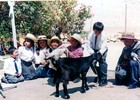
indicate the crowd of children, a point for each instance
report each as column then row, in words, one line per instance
column 27, row 62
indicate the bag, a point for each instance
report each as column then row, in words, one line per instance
column 120, row 72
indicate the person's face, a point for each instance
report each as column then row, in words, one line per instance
column 97, row 32
column 42, row 43
column 128, row 42
column 14, row 54
column 54, row 44
column 27, row 43
column 74, row 42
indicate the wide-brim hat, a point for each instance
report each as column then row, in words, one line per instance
column 77, row 37
column 42, row 37
column 128, row 35
column 54, row 38
column 31, row 37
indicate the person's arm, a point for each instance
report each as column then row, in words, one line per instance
column 103, row 44
column 8, row 67
column 90, row 41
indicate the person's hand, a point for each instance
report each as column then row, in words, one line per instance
column 43, row 62
column 125, row 63
column 17, row 74
column 98, row 56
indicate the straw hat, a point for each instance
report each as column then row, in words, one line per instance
column 54, row 38
column 128, row 35
column 31, row 37
column 77, row 37
column 42, row 37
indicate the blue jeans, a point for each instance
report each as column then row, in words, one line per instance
column 42, row 72
column 12, row 79
column 134, row 72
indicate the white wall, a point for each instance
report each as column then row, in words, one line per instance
column 112, row 14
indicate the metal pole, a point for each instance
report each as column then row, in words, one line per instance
column 14, row 31
column 11, row 14
column 125, row 18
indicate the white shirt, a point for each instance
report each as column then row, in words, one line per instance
column 41, row 56
column 101, row 43
column 9, row 66
column 26, row 54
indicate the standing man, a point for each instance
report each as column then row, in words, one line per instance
column 98, row 42
column 129, row 61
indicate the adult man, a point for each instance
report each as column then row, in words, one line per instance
column 98, row 42
column 129, row 61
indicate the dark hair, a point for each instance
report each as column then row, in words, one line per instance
column 98, row 26
column 11, row 50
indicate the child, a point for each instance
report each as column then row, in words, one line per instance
column 40, row 54
column 41, row 51
column 12, row 68
column 54, row 43
column 75, row 49
column 26, row 54
column 45, row 70
column 98, row 42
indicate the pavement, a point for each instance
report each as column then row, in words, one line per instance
column 43, row 89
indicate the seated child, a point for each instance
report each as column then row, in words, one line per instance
column 45, row 70
column 12, row 68
column 75, row 48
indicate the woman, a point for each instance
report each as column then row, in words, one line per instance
column 26, row 54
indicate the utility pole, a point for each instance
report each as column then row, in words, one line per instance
column 125, row 18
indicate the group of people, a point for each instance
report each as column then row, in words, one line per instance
column 27, row 62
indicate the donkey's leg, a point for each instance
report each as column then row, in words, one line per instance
column 57, row 90
column 66, row 96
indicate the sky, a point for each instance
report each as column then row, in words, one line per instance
column 113, row 14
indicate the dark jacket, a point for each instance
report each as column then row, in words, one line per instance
column 135, row 48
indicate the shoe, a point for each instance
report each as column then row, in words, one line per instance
column 104, row 83
column 132, row 86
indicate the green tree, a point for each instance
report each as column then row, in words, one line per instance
column 67, row 17
column 5, row 27
column 42, row 17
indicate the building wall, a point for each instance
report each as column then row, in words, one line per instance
column 112, row 13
